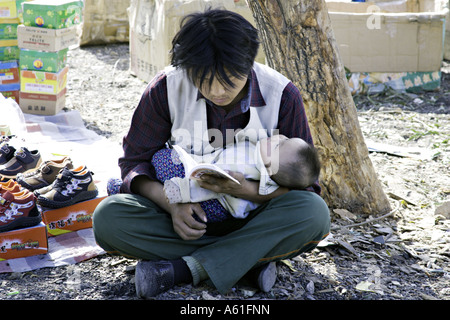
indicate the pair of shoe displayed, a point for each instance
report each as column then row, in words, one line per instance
column 57, row 184
column 15, row 161
column 69, row 187
column 17, row 207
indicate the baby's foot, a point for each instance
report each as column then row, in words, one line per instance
column 172, row 191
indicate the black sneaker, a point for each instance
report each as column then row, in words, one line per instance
column 6, row 153
column 23, row 161
column 70, row 187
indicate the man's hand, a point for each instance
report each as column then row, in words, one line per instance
column 224, row 185
column 247, row 189
column 184, row 223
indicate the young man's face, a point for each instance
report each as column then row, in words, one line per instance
column 222, row 95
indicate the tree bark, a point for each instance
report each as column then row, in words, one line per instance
column 298, row 41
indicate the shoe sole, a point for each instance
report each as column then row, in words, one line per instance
column 267, row 277
column 24, row 222
column 83, row 196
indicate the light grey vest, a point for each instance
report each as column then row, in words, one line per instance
column 188, row 115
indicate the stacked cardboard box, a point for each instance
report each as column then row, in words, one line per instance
column 11, row 15
column 9, row 52
column 49, row 29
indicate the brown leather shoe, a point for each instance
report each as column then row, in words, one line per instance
column 45, row 175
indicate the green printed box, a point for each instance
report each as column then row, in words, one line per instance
column 9, row 53
column 52, row 14
column 43, row 60
column 8, row 28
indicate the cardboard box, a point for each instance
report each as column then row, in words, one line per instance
column 378, row 37
column 42, row 104
column 43, row 82
column 9, row 72
column 23, row 242
column 52, row 14
column 71, row 218
column 13, row 94
column 35, row 38
column 8, row 9
column 8, row 28
column 105, row 21
column 153, row 24
column 43, row 60
column 9, row 53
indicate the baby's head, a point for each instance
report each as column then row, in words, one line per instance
column 291, row 163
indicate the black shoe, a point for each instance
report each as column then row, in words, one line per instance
column 22, row 162
column 6, row 153
column 70, row 187
column 153, row 278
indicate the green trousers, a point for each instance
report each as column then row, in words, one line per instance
column 133, row 226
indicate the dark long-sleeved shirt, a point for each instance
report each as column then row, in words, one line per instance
column 150, row 127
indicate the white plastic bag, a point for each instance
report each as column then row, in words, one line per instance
column 11, row 116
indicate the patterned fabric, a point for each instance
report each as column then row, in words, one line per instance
column 166, row 169
column 113, row 186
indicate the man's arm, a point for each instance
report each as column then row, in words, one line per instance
column 149, row 131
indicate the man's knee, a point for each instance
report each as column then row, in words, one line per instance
column 103, row 219
column 310, row 208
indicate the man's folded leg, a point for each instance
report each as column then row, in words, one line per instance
column 133, row 226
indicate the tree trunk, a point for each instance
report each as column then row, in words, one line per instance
column 298, row 41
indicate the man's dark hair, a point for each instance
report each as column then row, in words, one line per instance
column 215, row 43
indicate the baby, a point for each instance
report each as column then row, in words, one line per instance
column 275, row 161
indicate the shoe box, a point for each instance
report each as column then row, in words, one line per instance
column 43, row 60
column 43, row 82
column 72, row 218
column 9, row 72
column 52, row 14
column 23, row 242
column 42, row 104
column 36, row 38
column 42, row 93
column 8, row 8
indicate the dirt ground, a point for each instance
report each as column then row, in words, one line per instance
column 403, row 256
